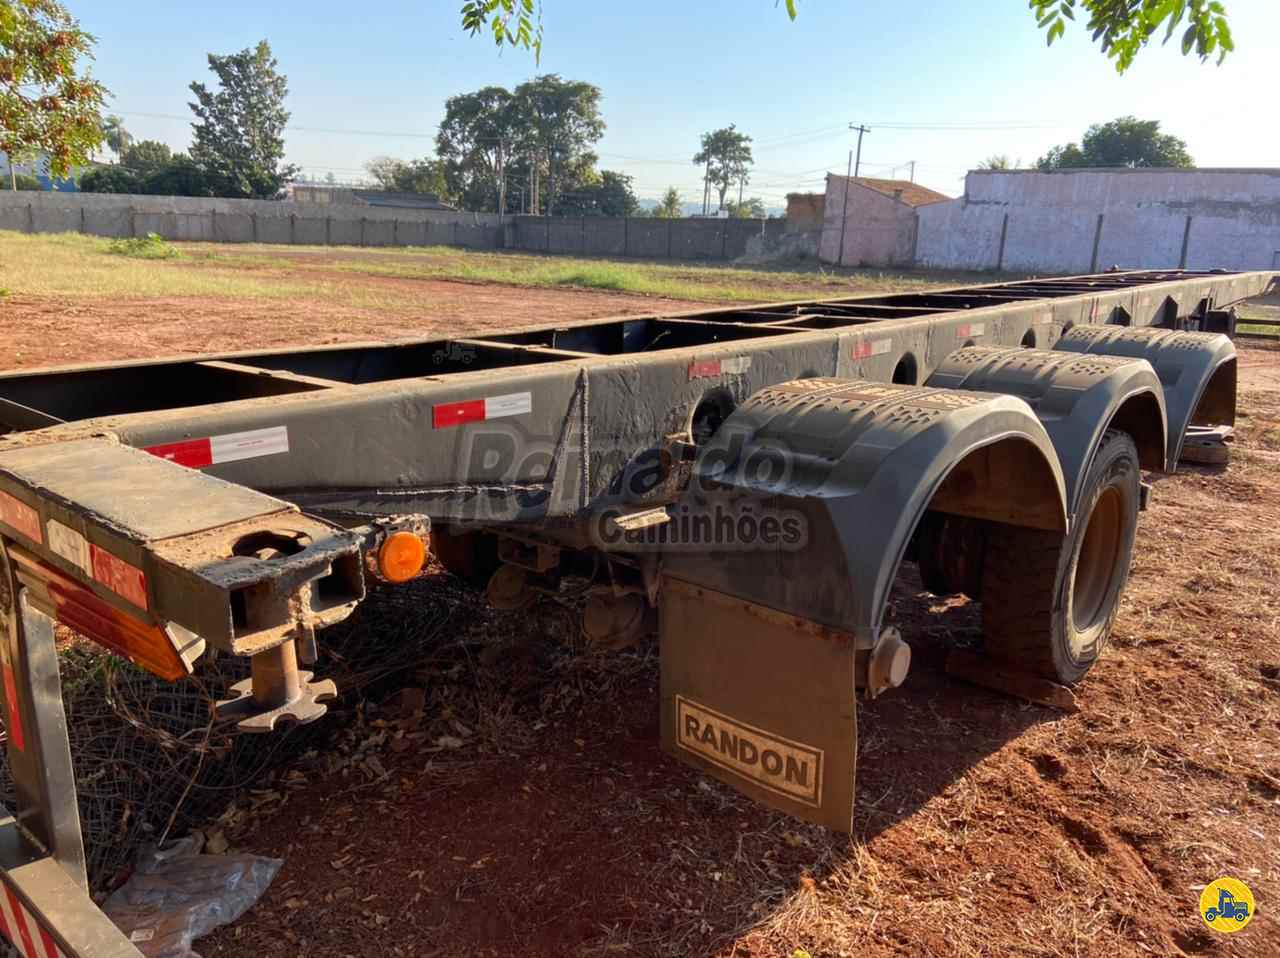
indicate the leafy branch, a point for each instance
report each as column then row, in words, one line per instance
column 517, row 23
column 1123, row 27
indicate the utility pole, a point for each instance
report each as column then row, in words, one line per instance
column 854, row 166
column 913, row 171
column 844, row 215
column 861, row 130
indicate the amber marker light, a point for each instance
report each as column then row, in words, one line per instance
column 401, row 557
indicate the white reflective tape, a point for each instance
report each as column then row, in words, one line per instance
column 516, row 404
column 69, row 544
column 735, row 365
column 249, row 445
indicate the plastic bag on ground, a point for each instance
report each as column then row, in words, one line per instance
column 178, row 895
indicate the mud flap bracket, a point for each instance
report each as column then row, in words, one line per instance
column 760, row 700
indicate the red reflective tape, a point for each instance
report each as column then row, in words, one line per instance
column 456, row 413
column 14, row 725
column 20, row 917
column 18, row 515
column 706, row 369
column 232, row 447
column 46, row 939
column 192, row 453
column 4, row 926
column 871, row 347
column 123, row 578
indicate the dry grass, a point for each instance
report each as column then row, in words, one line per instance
column 69, row 264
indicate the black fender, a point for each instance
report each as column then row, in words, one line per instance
column 856, row 464
column 1197, row 371
column 1077, row 398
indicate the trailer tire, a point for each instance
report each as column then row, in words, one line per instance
column 1049, row 601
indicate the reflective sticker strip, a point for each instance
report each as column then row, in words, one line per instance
column 18, row 515
column 711, row 368
column 69, row 544
column 478, row 410
column 28, row 936
column 122, row 578
column 868, row 348
column 14, row 723
column 970, row 330
column 232, row 447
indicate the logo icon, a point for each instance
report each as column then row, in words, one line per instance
column 1226, row 905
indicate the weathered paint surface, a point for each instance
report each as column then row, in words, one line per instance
column 878, row 229
column 1150, row 219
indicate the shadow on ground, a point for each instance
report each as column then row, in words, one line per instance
column 528, row 809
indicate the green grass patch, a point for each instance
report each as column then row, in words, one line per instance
column 151, row 246
column 705, row 281
column 1253, row 329
column 70, row 264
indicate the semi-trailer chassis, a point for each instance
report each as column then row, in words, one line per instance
column 744, row 480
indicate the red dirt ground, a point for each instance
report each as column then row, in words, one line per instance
column 985, row 826
column 527, row 810
column 40, row 331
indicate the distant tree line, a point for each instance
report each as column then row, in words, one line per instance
column 531, row 150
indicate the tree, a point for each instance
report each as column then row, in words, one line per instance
column 726, row 155
column 426, row 175
column 110, row 179
column 607, row 194
column 997, row 161
column 48, row 101
column 1123, row 26
column 1126, row 141
column 239, row 139
column 559, row 120
column 115, row 135
column 476, row 140
column 671, row 206
column 183, row 176
column 146, row 157
column 751, row 208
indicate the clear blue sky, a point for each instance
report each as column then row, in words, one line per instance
column 371, row 79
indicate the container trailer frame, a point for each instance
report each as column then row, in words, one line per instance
column 745, row 481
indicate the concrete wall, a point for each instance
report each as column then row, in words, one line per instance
column 654, row 238
column 244, row 221
column 879, row 230
column 1075, row 221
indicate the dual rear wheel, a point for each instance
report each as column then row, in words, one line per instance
column 1049, row 601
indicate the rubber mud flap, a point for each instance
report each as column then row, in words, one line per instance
column 761, row 701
